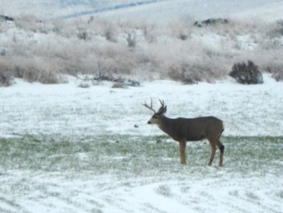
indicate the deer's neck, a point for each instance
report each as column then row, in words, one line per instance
column 171, row 128
column 166, row 125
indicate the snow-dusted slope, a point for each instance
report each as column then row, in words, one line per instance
column 149, row 10
column 174, row 10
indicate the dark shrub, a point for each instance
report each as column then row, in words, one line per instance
column 211, row 21
column 6, row 76
column 246, row 73
column 6, row 79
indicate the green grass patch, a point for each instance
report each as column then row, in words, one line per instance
column 128, row 155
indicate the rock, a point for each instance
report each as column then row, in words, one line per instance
column 211, row 21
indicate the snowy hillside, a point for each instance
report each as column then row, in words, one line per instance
column 142, row 48
column 150, row 10
column 65, row 148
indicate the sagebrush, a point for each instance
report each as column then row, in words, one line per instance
column 43, row 50
column 246, row 73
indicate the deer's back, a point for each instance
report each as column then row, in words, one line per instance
column 194, row 129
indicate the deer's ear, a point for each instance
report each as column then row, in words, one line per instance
column 165, row 109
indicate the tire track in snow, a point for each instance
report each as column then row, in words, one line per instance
column 71, row 199
column 193, row 196
column 251, row 201
column 194, row 200
column 8, row 205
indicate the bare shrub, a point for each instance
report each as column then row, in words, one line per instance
column 132, row 40
column 246, row 73
column 102, row 27
column 18, row 48
column 271, row 61
column 105, row 67
column 83, row 35
column 180, row 73
column 193, row 72
column 37, row 70
column 181, row 29
column 276, row 70
column 109, row 35
column 75, row 28
column 278, row 74
column 150, row 32
column 84, row 31
column 109, row 30
column 240, row 26
column 72, row 56
column 253, row 27
column 111, row 48
column 273, row 30
column 115, row 59
column 59, row 27
column 6, row 77
column 29, row 23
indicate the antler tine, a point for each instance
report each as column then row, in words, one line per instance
column 149, row 107
column 162, row 103
column 162, row 109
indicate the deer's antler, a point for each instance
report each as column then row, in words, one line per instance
column 149, row 107
column 162, row 103
column 162, row 109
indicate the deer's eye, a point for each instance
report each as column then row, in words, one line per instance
column 155, row 116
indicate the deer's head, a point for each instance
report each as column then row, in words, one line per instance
column 157, row 116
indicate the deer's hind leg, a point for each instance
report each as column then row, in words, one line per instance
column 213, row 149
column 221, row 148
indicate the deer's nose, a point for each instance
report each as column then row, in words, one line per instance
column 149, row 122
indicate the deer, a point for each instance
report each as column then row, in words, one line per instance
column 189, row 129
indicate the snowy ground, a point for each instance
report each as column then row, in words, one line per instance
column 58, row 149
column 246, row 110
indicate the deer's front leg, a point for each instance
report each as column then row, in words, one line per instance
column 182, row 145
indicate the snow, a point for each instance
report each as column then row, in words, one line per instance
column 203, row 195
column 35, row 108
column 174, row 10
column 68, row 111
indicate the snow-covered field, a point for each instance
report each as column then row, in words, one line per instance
column 67, row 109
column 68, row 149
column 59, row 149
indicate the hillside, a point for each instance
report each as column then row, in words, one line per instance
column 73, row 142
column 150, row 10
column 163, row 46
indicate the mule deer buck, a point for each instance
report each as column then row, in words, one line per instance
column 189, row 129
